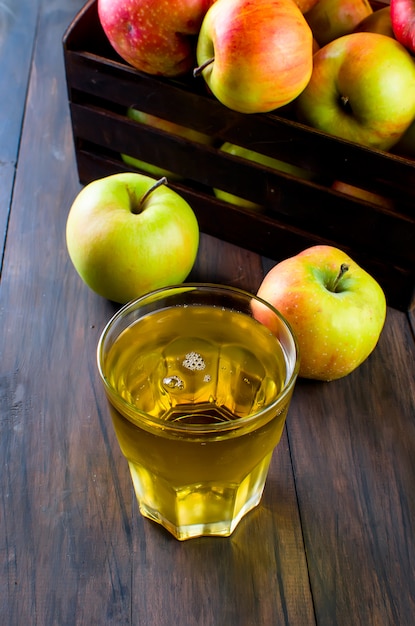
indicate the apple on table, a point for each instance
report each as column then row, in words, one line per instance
column 154, row 36
column 169, row 127
column 255, row 56
column 336, row 309
column 362, row 89
column 128, row 234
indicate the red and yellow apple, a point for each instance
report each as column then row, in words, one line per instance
column 255, row 56
column 336, row 309
column 331, row 19
column 127, row 234
column 403, row 22
column 169, row 127
column 362, row 89
column 154, row 36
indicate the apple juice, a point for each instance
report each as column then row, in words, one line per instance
column 187, row 380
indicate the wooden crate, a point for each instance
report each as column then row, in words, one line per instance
column 297, row 213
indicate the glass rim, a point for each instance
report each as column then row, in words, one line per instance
column 189, row 428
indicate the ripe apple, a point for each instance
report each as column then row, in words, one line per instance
column 362, row 89
column 262, row 159
column 305, row 5
column 154, row 36
column 330, row 19
column 169, row 127
column 403, row 22
column 128, row 234
column 363, row 194
column 255, row 55
column 336, row 309
column 377, row 22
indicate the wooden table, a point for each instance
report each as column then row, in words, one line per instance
column 333, row 541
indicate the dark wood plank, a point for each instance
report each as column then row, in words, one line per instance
column 7, row 171
column 352, row 444
column 411, row 316
column 17, row 33
column 59, row 525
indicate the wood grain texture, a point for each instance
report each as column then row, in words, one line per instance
column 333, row 539
column 17, row 35
column 352, row 444
column 411, row 317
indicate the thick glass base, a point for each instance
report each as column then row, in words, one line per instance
column 208, row 509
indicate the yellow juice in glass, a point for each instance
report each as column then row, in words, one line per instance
column 193, row 391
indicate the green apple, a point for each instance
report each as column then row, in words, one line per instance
column 331, row 19
column 377, row 22
column 255, row 56
column 262, row 159
column 154, row 36
column 128, row 234
column 362, row 89
column 169, row 127
column 336, row 309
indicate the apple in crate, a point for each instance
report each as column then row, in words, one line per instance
column 403, row 22
column 331, row 19
column 154, row 36
column 362, row 89
column 262, row 159
column 255, row 55
column 363, row 194
column 336, row 309
column 377, row 22
column 305, row 5
column 169, row 127
column 128, row 234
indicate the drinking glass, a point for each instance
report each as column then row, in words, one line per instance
column 198, row 390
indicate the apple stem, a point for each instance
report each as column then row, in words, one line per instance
column 198, row 70
column 157, row 184
column 344, row 267
column 345, row 103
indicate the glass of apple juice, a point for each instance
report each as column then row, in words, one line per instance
column 198, row 391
